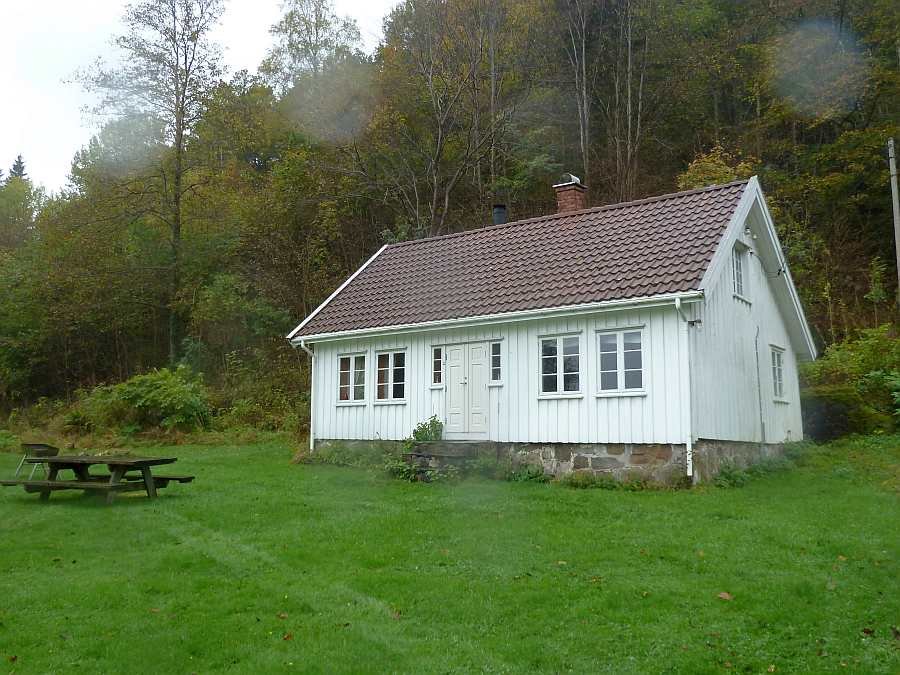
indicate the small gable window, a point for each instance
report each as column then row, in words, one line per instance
column 739, row 269
column 496, row 371
column 621, row 361
column 352, row 378
column 391, row 376
column 778, row 372
column 560, row 365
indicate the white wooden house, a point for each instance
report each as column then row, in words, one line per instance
column 664, row 332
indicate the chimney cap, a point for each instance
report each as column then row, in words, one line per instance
column 569, row 179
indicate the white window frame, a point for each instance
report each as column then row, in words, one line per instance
column 498, row 381
column 352, row 400
column 777, row 364
column 437, row 366
column 621, row 389
column 391, row 354
column 560, row 366
column 739, row 276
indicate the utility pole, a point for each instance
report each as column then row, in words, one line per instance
column 892, row 161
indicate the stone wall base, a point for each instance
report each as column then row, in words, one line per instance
column 657, row 462
column 710, row 456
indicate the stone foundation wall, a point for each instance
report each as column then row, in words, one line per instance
column 710, row 456
column 657, row 462
column 662, row 463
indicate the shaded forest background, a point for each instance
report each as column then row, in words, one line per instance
column 213, row 211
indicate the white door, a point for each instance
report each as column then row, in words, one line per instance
column 477, row 390
column 456, row 390
column 467, row 391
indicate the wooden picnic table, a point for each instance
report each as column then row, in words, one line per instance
column 117, row 480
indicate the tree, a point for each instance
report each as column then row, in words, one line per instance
column 168, row 68
column 17, row 170
column 309, row 38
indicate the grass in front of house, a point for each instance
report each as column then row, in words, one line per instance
column 264, row 566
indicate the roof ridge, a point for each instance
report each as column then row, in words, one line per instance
column 564, row 214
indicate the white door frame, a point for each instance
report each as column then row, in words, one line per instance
column 467, row 401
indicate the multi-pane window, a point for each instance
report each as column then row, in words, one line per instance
column 352, row 378
column 437, row 365
column 778, row 372
column 621, row 361
column 391, row 376
column 496, row 371
column 738, row 255
column 560, row 365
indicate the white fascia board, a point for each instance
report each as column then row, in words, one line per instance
column 331, row 297
column 752, row 194
column 786, row 272
column 506, row 317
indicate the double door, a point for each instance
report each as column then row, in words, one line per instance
column 468, row 368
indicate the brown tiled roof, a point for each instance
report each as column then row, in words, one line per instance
column 621, row 251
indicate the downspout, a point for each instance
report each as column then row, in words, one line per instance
column 762, row 419
column 312, row 395
column 689, row 440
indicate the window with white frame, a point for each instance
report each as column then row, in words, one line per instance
column 391, row 376
column 496, row 370
column 437, row 365
column 352, row 377
column 621, row 361
column 739, row 269
column 560, row 365
column 778, row 371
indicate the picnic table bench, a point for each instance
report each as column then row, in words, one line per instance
column 120, row 478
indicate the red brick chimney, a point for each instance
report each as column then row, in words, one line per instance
column 569, row 194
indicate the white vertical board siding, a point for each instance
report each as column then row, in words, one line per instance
column 726, row 389
column 517, row 414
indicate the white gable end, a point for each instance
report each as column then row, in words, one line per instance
column 750, row 336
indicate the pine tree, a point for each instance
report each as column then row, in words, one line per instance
column 17, row 170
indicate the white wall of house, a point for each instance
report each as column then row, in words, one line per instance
column 733, row 393
column 516, row 411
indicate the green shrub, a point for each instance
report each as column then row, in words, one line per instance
column 854, row 387
column 731, row 476
column 431, row 429
column 529, row 473
column 161, row 399
column 9, row 442
column 399, row 468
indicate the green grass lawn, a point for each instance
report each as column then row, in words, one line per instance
column 268, row 567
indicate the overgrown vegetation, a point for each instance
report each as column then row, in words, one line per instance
column 854, row 387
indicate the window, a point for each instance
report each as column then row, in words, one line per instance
column 738, row 256
column 352, row 378
column 778, row 371
column 560, row 365
column 391, row 378
column 621, row 361
column 496, row 371
column 437, row 365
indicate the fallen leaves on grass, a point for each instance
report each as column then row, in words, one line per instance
column 282, row 615
column 868, row 631
column 13, row 659
column 287, row 636
column 725, row 595
column 154, row 610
